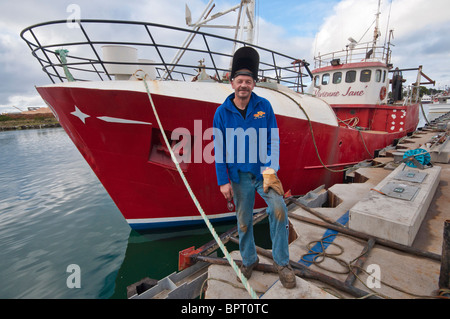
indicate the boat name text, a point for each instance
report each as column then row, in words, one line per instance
column 349, row 92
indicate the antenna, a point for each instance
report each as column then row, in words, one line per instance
column 351, row 46
column 17, row 108
column 387, row 25
column 376, row 32
column 245, row 23
column 188, row 15
column 352, row 41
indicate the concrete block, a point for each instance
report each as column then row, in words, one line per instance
column 394, row 216
column 441, row 153
column 303, row 290
column 315, row 198
column 222, row 284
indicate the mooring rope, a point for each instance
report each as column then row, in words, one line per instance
column 63, row 56
column 314, row 139
column 194, row 198
column 312, row 132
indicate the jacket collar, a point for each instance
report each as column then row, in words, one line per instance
column 254, row 100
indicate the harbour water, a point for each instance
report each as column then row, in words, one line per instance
column 422, row 120
column 55, row 213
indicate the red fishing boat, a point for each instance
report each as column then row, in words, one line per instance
column 100, row 99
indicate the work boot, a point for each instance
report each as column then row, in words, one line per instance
column 248, row 270
column 287, row 276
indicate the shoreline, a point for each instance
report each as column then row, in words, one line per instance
column 10, row 122
column 29, row 127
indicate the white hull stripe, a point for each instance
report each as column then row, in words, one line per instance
column 122, row 121
column 176, row 219
column 318, row 110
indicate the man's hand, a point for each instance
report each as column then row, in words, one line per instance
column 227, row 191
column 271, row 181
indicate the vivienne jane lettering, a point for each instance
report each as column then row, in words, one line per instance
column 349, row 92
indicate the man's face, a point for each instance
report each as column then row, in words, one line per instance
column 243, row 86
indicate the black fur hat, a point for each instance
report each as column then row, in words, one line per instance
column 245, row 58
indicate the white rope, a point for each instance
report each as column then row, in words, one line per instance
column 200, row 209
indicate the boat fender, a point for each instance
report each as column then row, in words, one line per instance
column 382, row 93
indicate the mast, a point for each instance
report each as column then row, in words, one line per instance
column 250, row 13
column 245, row 24
column 376, row 31
column 246, row 10
column 190, row 36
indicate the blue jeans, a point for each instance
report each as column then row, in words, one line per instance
column 244, row 200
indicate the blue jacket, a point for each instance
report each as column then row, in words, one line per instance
column 248, row 145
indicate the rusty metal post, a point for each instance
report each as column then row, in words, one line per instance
column 360, row 262
column 444, row 277
column 357, row 234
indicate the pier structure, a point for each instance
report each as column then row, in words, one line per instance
column 383, row 234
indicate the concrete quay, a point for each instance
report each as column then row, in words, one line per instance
column 382, row 270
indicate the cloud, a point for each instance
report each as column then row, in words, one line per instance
column 350, row 18
column 22, row 102
column 21, row 72
column 298, row 29
column 420, row 32
column 275, row 37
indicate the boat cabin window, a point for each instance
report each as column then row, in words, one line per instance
column 316, row 80
column 365, row 75
column 384, row 76
column 378, row 76
column 337, row 77
column 350, row 76
column 326, row 78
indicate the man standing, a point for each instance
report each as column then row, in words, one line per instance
column 246, row 144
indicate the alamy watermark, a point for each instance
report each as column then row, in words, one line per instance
column 374, row 279
column 73, row 20
column 74, row 279
column 235, row 145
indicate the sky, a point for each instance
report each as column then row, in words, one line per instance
column 300, row 28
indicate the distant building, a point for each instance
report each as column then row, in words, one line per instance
column 37, row 110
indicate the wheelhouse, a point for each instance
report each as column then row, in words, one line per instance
column 352, row 83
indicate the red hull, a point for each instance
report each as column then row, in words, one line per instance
column 136, row 170
column 383, row 118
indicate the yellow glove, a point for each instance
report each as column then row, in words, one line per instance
column 271, row 181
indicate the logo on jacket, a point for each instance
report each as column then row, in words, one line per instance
column 259, row 115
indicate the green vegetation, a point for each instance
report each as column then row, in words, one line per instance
column 429, row 91
column 424, row 91
column 25, row 121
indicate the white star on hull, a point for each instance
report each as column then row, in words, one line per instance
column 82, row 116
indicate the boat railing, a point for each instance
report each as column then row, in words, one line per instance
column 156, row 44
column 355, row 53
